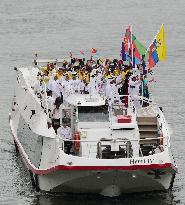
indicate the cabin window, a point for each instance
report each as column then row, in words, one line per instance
column 93, row 113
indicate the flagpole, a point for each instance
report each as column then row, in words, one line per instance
column 131, row 46
column 148, row 57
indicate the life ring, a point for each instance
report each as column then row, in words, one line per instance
column 76, row 141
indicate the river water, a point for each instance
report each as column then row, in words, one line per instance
column 52, row 29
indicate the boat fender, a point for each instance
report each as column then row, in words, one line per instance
column 76, row 141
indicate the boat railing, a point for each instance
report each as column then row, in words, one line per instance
column 136, row 101
column 106, row 148
column 123, row 105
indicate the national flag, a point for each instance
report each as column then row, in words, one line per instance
column 123, row 55
column 157, row 50
column 70, row 54
column 139, row 50
column 93, row 50
column 125, row 43
column 161, row 44
column 153, row 56
column 127, row 40
column 128, row 35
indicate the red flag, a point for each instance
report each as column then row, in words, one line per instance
column 152, row 80
column 128, row 35
column 81, row 52
column 70, row 54
column 93, row 50
column 125, row 40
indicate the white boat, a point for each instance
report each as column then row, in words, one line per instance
column 117, row 149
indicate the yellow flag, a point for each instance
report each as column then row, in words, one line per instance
column 161, row 44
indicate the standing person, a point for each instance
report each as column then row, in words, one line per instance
column 81, row 86
column 55, row 88
column 50, row 101
column 75, row 83
column 64, row 132
column 57, row 113
column 93, row 84
column 133, row 90
column 86, row 88
column 121, row 90
column 125, row 90
column 145, row 90
column 67, row 87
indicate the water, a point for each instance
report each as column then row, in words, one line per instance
column 52, row 29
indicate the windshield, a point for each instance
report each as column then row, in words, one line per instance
column 93, row 114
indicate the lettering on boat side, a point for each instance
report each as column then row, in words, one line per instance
column 141, row 161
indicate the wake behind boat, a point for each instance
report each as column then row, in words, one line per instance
column 90, row 127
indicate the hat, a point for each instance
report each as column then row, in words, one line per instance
column 74, row 73
column 110, row 77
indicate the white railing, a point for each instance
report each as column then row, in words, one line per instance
column 155, row 146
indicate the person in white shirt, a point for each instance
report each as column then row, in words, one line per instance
column 64, row 132
column 50, row 101
column 55, row 88
column 81, row 87
column 75, row 83
column 67, row 87
column 57, row 114
column 133, row 90
column 92, row 85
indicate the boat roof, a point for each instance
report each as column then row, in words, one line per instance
column 77, row 99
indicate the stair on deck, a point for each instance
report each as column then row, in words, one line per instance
column 148, row 129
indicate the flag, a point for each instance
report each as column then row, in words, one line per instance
column 161, row 44
column 82, row 53
column 127, row 41
column 153, row 56
column 157, row 50
column 70, row 54
column 93, row 50
column 152, row 80
column 123, row 55
column 128, row 35
column 139, row 50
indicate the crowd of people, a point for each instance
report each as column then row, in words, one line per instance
column 109, row 78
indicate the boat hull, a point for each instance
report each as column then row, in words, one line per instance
column 108, row 183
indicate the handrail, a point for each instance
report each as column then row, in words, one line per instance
column 111, row 140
